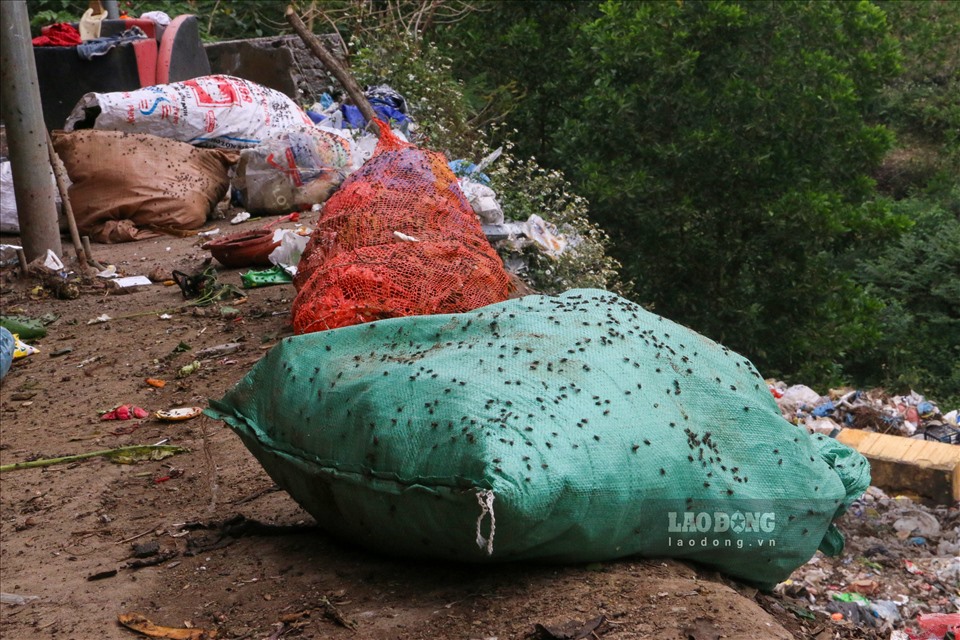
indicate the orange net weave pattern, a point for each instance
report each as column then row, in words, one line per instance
column 397, row 239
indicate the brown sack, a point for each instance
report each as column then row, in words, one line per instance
column 132, row 186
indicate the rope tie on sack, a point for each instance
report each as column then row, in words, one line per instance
column 485, row 499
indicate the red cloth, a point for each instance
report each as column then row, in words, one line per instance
column 62, row 34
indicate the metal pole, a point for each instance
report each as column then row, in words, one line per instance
column 27, row 134
column 112, row 7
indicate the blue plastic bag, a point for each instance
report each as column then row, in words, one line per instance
column 7, row 344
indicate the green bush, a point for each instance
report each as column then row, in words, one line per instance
column 916, row 280
column 526, row 189
column 437, row 101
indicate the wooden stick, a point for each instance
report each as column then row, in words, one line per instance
column 22, row 259
column 86, row 247
column 58, row 172
column 330, row 61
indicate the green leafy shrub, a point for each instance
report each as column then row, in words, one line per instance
column 916, row 279
column 422, row 74
column 527, row 189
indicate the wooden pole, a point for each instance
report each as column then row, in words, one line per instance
column 58, row 172
column 335, row 67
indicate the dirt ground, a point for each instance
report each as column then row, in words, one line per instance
column 235, row 555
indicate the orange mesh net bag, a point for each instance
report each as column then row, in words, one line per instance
column 397, row 239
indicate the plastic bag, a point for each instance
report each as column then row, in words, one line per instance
column 21, row 349
column 287, row 255
column 213, row 111
column 291, row 171
column 7, row 345
column 518, row 235
column 9, row 219
column 483, row 200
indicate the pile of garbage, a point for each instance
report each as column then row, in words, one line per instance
column 911, row 415
column 898, row 575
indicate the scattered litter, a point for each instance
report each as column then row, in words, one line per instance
column 8, row 252
column 17, row 599
column 100, row 319
column 179, row 414
column 909, row 415
column 516, row 236
column 156, row 382
column 885, row 580
column 159, row 274
column 940, row 624
column 291, row 247
column 483, row 201
column 266, row 277
column 174, row 473
column 166, row 316
column 243, row 216
column 22, row 349
column 52, row 261
column 87, row 361
column 219, row 350
column 188, row 369
column 204, row 288
column 26, row 328
column 132, row 281
column 109, row 272
column 208, row 234
column 139, row 623
column 125, row 412
column 404, row 237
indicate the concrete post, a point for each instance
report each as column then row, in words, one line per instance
column 112, row 7
column 26, row 134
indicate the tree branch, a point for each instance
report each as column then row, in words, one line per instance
column 330, row 62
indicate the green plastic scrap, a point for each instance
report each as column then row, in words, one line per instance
column 26, row 328
column 851, row 597
column 800, row 612
column 265, row 278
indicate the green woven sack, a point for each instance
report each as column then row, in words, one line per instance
column 571, row 428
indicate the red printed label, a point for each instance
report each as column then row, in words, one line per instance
column 227, row 94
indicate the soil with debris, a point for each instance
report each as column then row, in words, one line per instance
column 203, row 539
